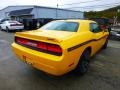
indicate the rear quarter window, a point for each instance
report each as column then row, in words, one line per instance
column 95, row 28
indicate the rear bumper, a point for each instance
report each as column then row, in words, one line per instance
column 48, row 63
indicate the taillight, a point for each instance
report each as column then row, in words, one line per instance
column 19, row 24
column 12, row 24
column 16, row 24
column 41, row 46
column 21, row 40
column 54, row 48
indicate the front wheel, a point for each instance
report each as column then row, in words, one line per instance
column 83, row 64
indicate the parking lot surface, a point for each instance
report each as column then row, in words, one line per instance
column 103, row 74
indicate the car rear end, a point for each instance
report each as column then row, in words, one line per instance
column 15, row 25
column 45, row 53
column 41, row 55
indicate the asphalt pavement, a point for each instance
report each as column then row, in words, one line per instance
column 103, row 74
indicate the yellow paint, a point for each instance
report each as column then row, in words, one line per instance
column 59, row 65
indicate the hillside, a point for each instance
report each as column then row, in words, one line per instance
column 108, row 13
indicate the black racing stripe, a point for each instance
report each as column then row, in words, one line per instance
column 79, row 45
column 84, row 43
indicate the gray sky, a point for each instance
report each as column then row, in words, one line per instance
column 94, row 4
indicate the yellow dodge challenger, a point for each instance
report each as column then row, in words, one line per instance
column 61, row 46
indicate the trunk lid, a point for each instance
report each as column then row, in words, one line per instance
column 46, row 35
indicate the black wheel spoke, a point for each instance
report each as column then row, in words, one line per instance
column 84, row 63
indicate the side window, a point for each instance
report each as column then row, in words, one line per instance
column 94, row 27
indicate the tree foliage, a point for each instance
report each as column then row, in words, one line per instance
column 109, row 13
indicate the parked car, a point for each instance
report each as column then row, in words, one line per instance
column 115, row 33
column 61, row 46
column 10, row 25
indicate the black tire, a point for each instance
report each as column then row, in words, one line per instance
column 83, row 64
column 7, row 29
column 105, row 45
column 0, row 28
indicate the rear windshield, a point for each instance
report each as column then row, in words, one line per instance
column 61, row 26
